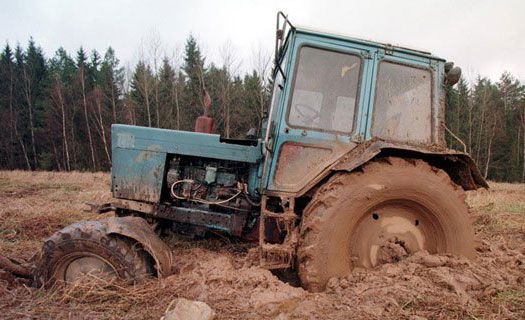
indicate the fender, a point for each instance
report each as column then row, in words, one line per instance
column 458, row 165
column 139, row 230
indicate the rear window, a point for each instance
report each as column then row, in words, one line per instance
column 325, row 90
column 403, row 103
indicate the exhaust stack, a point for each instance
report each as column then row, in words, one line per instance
column 205, row 123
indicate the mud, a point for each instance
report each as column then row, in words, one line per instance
column 424, row 285
column 391, row 251
column 223, row 274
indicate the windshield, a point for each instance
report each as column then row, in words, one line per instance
column 325, row 90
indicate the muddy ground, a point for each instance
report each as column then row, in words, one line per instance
column 220, row 271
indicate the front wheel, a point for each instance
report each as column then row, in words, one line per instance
column 83, row 250
column 390, row 209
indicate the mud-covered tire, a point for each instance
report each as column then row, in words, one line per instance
column 127, row 260
column 333, row 239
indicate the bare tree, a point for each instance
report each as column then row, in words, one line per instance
column 175, row 63
column 261, row 62
column 155, row 53
column 98, row 96
column 113, row 97
column 86, row 117
column 151, row 51
column 489, row 149
column 128, row 106
column 483, row 106
column 230, row 66
column 58, row 89
column 470, row 126
column 28, row 95
column 145, row 89
column 522, row 123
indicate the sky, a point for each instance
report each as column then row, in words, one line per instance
column 483, row 37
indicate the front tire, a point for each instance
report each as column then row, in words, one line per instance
column 84, row 249
column 391, row 208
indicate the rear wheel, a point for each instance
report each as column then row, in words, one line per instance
column 84, row 250
column 391, row 209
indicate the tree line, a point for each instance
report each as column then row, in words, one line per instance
column 56, row 113
column 487, row 120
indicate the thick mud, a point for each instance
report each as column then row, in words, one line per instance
column 223, row 273
column 419, row 285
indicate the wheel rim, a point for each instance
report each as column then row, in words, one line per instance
column 86, row 266
column 393, row 230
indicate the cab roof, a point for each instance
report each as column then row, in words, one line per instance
column 398, row 48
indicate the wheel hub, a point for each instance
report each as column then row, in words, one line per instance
column 391, row 232
column 92, row 266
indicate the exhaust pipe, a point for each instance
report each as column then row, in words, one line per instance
column 205, row 123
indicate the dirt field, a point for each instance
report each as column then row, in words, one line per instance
column 220, row 273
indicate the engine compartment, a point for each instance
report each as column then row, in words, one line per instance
column 202, row 194
column 210, row 184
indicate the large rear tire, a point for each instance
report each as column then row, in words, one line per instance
column 391, row 208
column 83, row 250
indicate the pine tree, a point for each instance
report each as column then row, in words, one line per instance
column 62, row 70
column 141, row 93
column 111, row 80
column 21, row 121
column 34, row 82
column 8, row 141
column 195, row 73
column 168, row 96
column 253, row 91
column 507, row 154
column 83, row 75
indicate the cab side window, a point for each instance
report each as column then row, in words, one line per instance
column 403, row 103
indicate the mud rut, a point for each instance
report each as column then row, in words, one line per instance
column 430, row 286
column 223, row 274
column 427, row 285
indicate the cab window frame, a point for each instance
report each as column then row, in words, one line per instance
column 358, row 89
column 432, row 98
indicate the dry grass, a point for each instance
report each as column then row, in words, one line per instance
column 499, row 211
column 500, row 198
column 33, row 205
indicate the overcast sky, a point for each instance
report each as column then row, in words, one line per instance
column 483, row 37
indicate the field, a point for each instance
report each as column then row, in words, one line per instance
column 221, row 271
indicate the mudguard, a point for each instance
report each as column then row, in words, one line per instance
column 139, row 230
column 459, row 166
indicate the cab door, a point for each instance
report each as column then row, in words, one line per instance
column 403, row 107
column 322, row 112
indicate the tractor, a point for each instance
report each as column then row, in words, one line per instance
column 348, row 169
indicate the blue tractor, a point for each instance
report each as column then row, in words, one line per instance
column 349, row 169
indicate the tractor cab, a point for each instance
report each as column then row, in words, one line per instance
column 334, row 92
